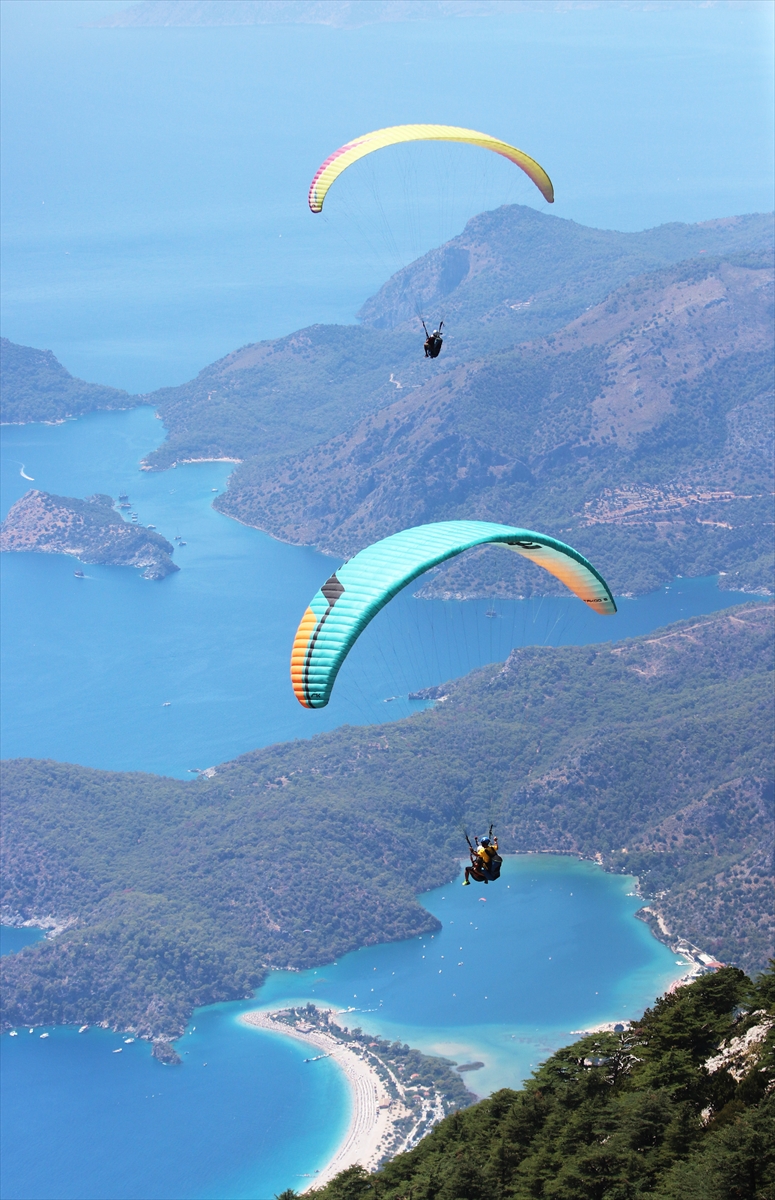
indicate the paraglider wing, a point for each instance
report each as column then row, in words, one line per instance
column 355, row 593
column 342, row 158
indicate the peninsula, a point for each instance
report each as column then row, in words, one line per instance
column 611, row 388
column 90, row 530
column 652, row 756
column 679, row 1106
column 398, row 1093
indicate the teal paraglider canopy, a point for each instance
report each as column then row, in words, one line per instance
column 342, row 608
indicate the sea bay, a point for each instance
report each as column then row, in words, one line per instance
column 506, row 980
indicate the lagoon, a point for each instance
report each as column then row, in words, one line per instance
column 563, row 952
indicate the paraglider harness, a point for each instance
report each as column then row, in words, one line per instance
column 492, row 870
column 433, row 341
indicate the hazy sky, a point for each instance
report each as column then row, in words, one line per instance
column 154, row 180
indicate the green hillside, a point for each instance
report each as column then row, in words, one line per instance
column 34, row 386
column 610, row 388
column 641, row 433
column 678, row 1107
column 516, row 274
column 169, row 891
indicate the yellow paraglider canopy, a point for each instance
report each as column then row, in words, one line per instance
column 342, row 158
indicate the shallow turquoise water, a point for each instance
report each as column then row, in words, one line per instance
column 554, row 948
column 515, row 969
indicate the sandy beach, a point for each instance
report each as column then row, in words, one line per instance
column 372, row 1122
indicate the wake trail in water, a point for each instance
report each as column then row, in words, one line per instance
column 30, row 478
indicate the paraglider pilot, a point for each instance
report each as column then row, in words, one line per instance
column 485, row 861
column 433, row 341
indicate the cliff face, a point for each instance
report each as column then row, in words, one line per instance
column 88, row 529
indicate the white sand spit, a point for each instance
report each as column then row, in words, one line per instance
column 372, row 1122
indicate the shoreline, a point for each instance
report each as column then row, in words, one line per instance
column 374, row 1115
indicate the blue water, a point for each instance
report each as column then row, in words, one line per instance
column 564, row 953
column 13, row 938
column 242, row 1118
column 155, row 180
column 88, row 665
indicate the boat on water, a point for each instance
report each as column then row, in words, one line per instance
column 181, row 543
column 13, row 1033
column 79, row 574
column 44, row 1035
column 166, row 703
column 491, row 613
column 128, row 1041
column 150, row 527
column 83, row 1029
column 123, row 496
column 125, row 506
column 119, row 1050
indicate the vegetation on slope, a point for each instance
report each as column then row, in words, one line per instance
column 612, row 388
column 34, row 386
column 517, row 274
column 641, row 433
column 653, row 755
column 274, row 399
column 681, row 1106
column 89, row 529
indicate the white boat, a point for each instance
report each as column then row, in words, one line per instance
column 128, row 1041
column 13, row 1033
column 83, row 1029
column 44, row 1035
column 119, row 1050
column 166, row 704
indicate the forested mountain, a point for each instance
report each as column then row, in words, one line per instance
column 273, row 399
column 34, row 386
column 610, row 388
column 517, row 274
column 651, row 755
column 681, row 1106
column 641, row 432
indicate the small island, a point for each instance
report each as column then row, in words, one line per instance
column 90, row 530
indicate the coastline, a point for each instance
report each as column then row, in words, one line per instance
column 374, row 1116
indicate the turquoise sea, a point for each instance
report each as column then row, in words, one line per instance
column 80, row 1122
